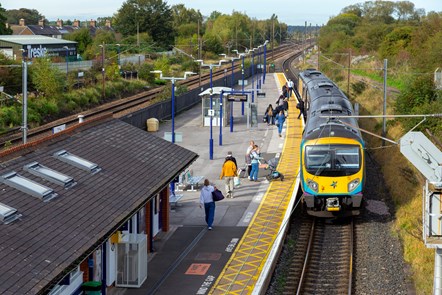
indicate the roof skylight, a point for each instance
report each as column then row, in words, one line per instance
column 76, row 161
column 28, row 186
column 8, row 214
column 49, row 174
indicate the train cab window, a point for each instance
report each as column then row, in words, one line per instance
column 332, row 160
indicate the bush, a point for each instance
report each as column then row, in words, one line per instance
column 358, row 87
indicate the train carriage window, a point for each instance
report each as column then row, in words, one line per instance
column 332, row 160
column 347, row 158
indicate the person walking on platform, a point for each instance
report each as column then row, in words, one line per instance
column 228, row 172
column 254, row 155
column 290, row 85
column 280, row 101
column 206, row 200
column 285, row 106
column 248, row 159
column 300, row 106
column 280, row 119
column 269, row 115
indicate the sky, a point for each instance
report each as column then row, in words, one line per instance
column 294, row 12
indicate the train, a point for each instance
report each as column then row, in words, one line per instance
column 332, row 157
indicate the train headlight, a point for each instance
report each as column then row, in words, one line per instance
column 313, row 185
column 353, row 184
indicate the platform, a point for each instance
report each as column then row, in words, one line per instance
column 190, row 259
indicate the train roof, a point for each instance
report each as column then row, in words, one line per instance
column 326, row 99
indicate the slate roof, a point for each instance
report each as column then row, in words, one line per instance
column 52, row 238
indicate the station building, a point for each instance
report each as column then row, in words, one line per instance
column 83, row 206
column 31, row 46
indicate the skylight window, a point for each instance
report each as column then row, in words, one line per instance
column 8, row 214
column 28, row 186
column 49, row 174
column 76, row 161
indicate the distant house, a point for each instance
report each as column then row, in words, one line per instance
column 84, row 205
column 59, row 30
column 31, row 46
column 40, row 29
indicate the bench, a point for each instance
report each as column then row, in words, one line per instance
column 173, row 200
column 194, row 181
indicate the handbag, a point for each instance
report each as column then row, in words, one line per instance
column 236, row 181
column 217, row 195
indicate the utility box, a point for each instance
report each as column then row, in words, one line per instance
column 152, row 124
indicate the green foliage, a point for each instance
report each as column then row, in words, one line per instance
column 45, row 78
column 10, row 77
column 396, row 41
column 145, row 73
column 31, row 16
column 358, row 87
column 420, row 91
column 10, row 116
column 3, row 29
column 162, row 64
column 112, row 72
column 82, row 37
column 151, row 16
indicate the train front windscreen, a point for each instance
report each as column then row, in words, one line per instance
column 332, row 160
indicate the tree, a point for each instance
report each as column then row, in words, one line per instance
column 82, row 37
column 31, row 16
column 3, row 29
column 151, row 16
column 45, row 78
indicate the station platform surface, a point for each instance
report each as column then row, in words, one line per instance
column 190, row 259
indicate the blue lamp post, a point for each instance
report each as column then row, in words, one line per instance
column 241, row 55
column 265, row 61
column 260, row 64
column 173, row 79
column 211, row 66
column 252, row 51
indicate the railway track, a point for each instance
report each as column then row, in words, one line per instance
column 124, row 106
column 323, row 258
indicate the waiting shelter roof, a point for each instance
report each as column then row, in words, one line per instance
column 216, row 90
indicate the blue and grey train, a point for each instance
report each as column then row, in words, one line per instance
column 332, row 149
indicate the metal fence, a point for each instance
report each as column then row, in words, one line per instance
column 183, row 102
column 87, row 64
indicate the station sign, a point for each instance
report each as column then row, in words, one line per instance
column 237, row 97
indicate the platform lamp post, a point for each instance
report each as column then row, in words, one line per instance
column 102, row 69
column 260, row 63
column 252, row 52
column 233, row 65
column 67, row 62
column 173, row 79
column 211, row 66
column 24, row 127
column 265, row 61
column 242, row 56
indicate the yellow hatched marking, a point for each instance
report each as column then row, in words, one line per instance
column 241, row 272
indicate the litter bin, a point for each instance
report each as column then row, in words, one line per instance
column 152, row 124
column 92, row 288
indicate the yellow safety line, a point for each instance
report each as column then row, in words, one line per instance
column 243, row 269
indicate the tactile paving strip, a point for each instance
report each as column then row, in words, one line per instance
column 244, row 267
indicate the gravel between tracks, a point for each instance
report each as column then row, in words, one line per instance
column 378, row 264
